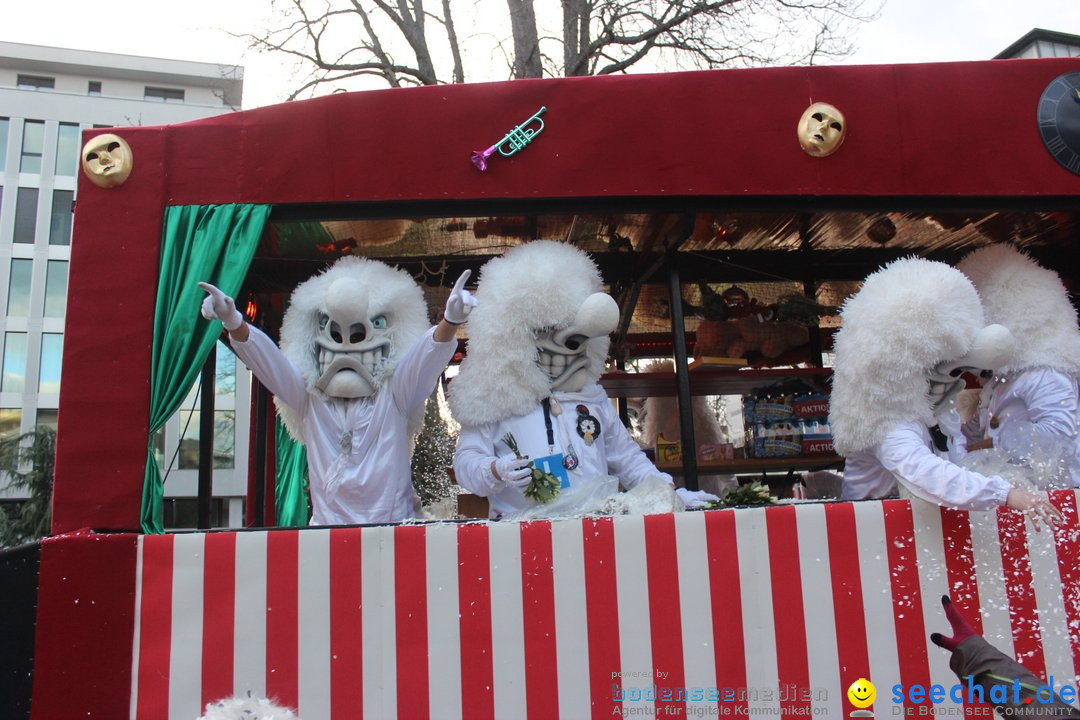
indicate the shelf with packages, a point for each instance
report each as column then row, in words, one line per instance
column 725, row 378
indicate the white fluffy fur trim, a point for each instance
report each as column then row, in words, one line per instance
column 391, row 292
column 907, row 317
column 1032, row 302
column 538, row 285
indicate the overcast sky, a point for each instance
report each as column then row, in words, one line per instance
column 907, row 31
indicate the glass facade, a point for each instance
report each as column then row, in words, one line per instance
column 18, row 302
column 33, row 144
column 60, row 218
column 26, row 215
column 56, row 282
column 14, row 379
column 52, row 350
column 67, row 150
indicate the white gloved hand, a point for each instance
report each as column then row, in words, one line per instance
column 695, row 498
column 219, row 306
column 460, row 303
column 512, row 470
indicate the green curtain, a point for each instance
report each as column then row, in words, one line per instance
column 211, row 243
column 290, row 473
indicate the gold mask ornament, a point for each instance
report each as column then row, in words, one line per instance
column 107, row 160
column 821, row 129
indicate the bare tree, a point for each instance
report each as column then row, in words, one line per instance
column 403, row 42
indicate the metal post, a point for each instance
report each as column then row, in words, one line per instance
column 206, row 439
column 262, row 400
column 682, row 377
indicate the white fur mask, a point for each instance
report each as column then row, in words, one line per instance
column 907, row 319
column 1032, row 302
column 346, row 329
column 542, row 324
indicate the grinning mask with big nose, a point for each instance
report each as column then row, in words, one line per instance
column 562, row 353
column 992, row 348
column 351, row 346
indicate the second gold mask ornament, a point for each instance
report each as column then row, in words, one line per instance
column 821, row 129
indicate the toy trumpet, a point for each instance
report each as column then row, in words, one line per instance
column 513, row 141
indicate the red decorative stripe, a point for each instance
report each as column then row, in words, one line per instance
column 851, row 648
column 538, row 618
column 474, row 607
column 219, row 615
column 282, row 616
column 155, row 623
column 789, row 618
column 726, row 597
column 346, row 625
column 1023, row 607
column 911, row 637
column 1067, row 540
column 410, row 593
column 665, row 616
column 963, row 586
column 602, row 614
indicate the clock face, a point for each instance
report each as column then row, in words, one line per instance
column 1059, row 120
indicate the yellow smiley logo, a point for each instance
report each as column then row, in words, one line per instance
column 861, row 693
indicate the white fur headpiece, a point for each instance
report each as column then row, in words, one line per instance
column 907, row 317
column 541, row 284
column 247, row 708
column 1032, row 302
column 391, row 292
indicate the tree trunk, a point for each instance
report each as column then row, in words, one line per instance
column 526, row 42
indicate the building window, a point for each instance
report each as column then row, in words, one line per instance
column 225, row 371
column 4, row 123
column 67, row 149
column 46, row 417
column 10, row 422
column 224, row 439
column 35, row 82
column 60, row 221
column 52, row 350
column 33, row 142
column 93, row 87
column 56, row 282
column 160, row 94
column 18, row 301
column 26, row 215
column 14, row 379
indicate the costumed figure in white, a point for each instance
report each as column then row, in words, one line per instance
column 1029, row 412
column 906, row 337
column 350, row 380
column 527, row 395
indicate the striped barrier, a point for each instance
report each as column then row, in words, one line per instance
column 764, row 612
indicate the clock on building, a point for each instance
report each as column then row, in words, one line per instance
column 1059, row 120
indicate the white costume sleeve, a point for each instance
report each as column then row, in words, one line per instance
column 625, row 457
column 272, row 368
column 472, row 460
column 907, row 454
column 420, row 367
column 1050, row 398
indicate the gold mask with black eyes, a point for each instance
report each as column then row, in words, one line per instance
column 107, row 160
column 821, row 129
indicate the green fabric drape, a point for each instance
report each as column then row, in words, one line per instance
column 210, row 243
column 290, row 474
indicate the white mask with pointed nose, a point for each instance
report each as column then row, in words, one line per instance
column 561, row 352
column 351, row 346
column 992, row 348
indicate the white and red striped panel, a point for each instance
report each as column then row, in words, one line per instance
column 542, row 620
